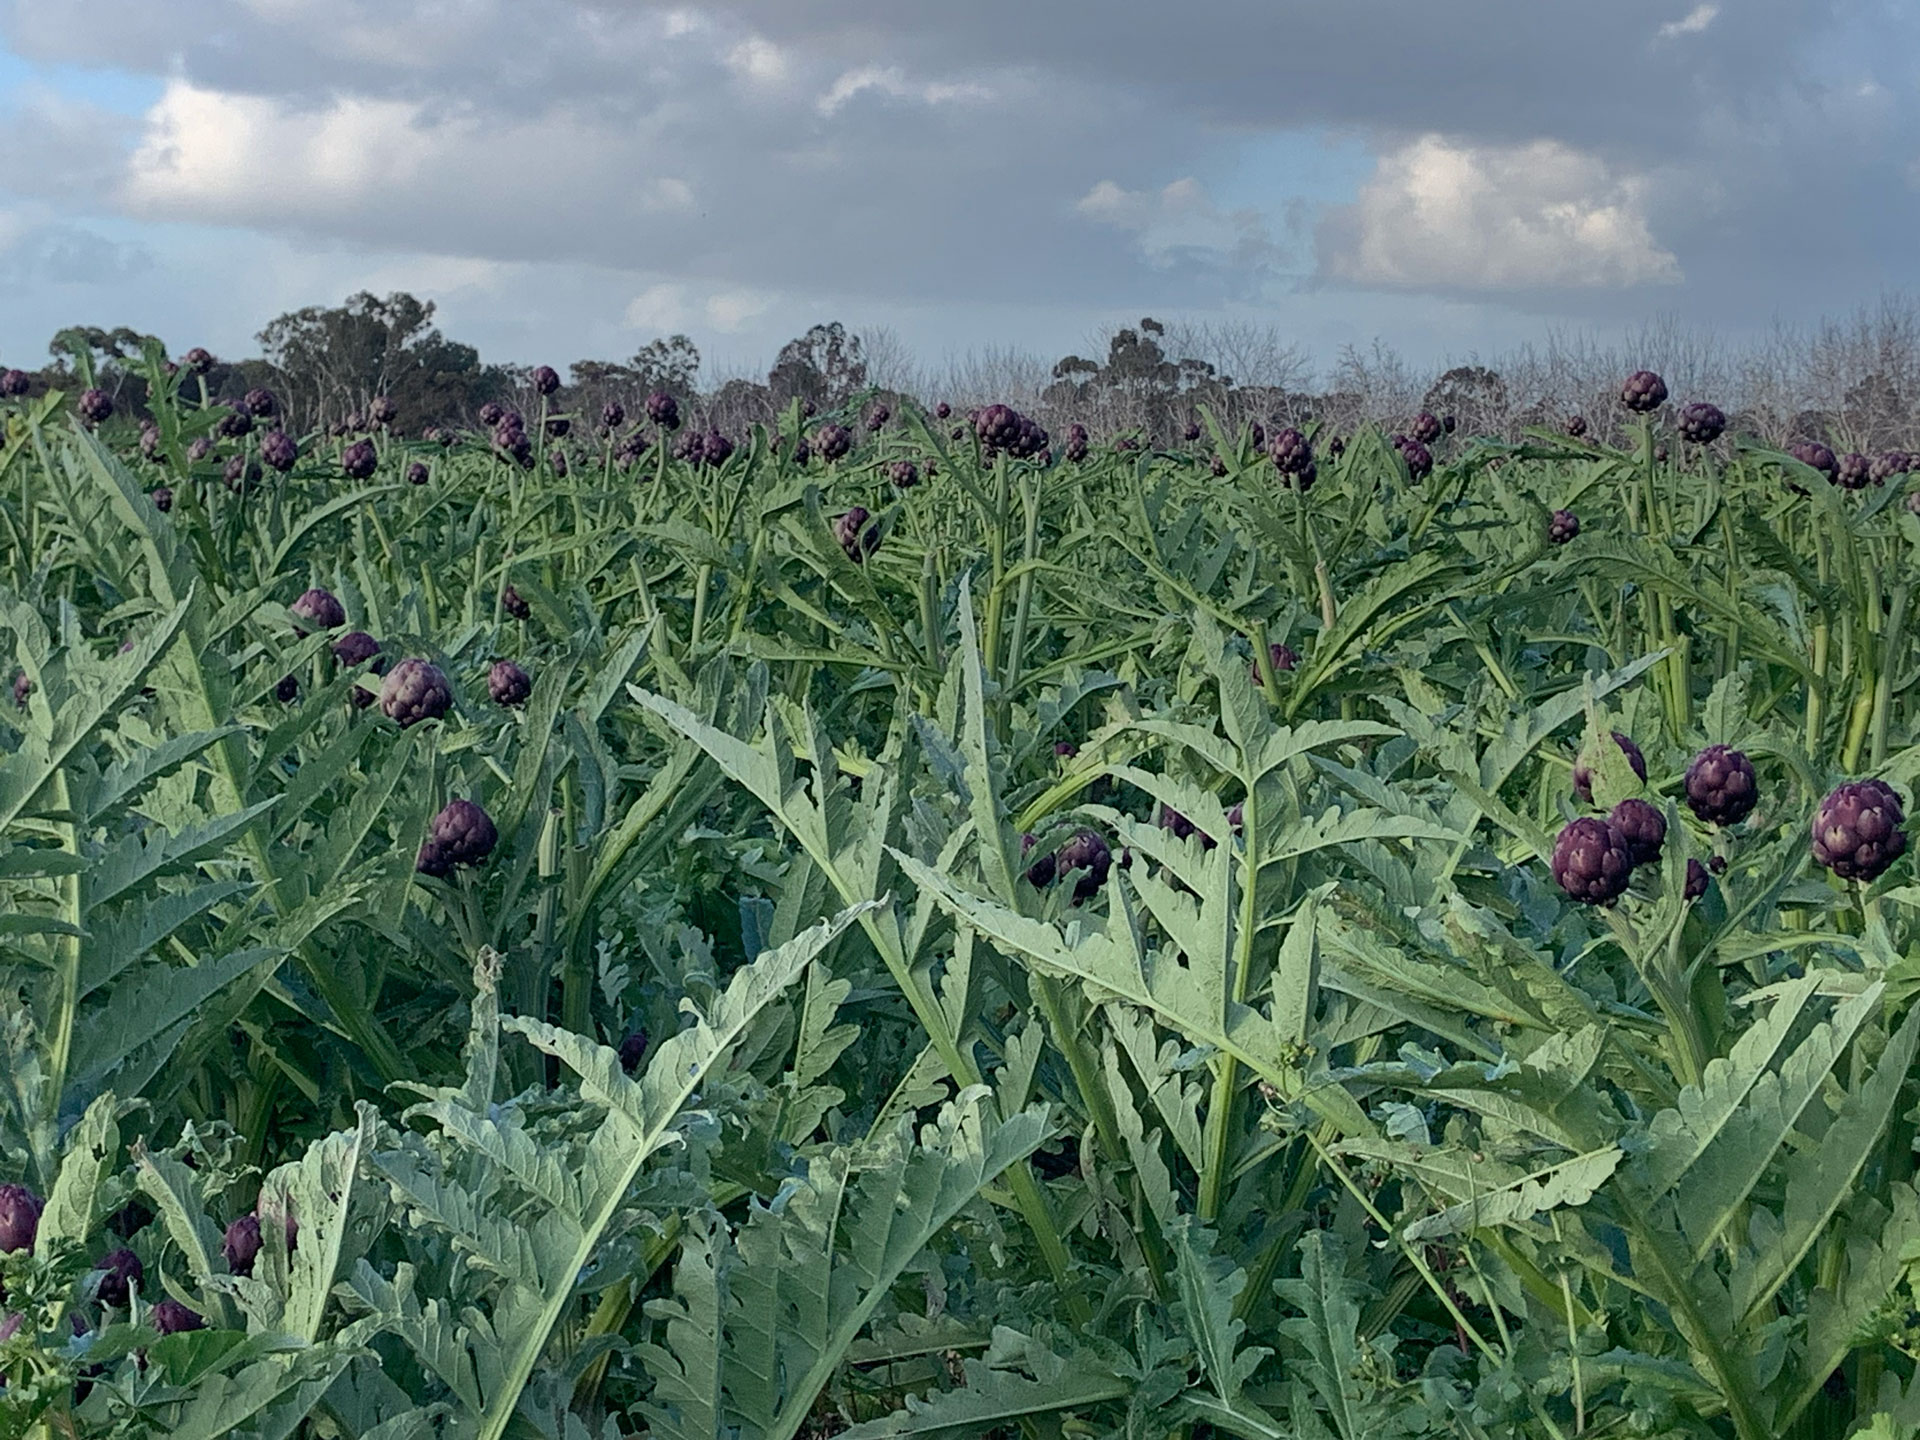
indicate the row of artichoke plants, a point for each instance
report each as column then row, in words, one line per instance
column 1266, row 983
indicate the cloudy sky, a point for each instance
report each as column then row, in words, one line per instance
column 570, row 178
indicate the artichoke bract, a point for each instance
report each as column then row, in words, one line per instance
column 1701, row 423
column 613, row 415
column 280, row 450
column 489, row 414
column 19, row 1218
column 96, row 406
column 260, row 401
column 320, row 607
column 1583, row 777
column 1644, row 392
column 1290, row 452
column 359, row 460
column 122, row 1271
column 1889, row 466
column 1426, row 428
column 1853, row 471
column 170, row 1317
column 1643, row 828
column 464, row 832
column 663, row 410
column 241, row 1244
column 508, row 684
column 1087, row 853
column 857, row 541
column 545, row 379
column 356, row 647
column 1817, row 456
column 1696, row 885
column 1419, row 459
column 877, row 417
column 1562, row 526
column 1857, row 831
column 903, row 474
column 1282, row 657
column 415, row 690
column 832, row 442
column 1591, row 862
column 633, row 1050
column 998, row 427
column 1720, row 786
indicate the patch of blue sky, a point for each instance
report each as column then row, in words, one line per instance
column 120, row 91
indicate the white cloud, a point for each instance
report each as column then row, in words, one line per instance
column 1692, row 23
column 891, row 81
column 1442, row 214
column 731, row 311
column 659, row 307
column 759, row 60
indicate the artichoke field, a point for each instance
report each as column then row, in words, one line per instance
column 881, row 926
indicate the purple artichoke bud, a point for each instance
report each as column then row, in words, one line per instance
column 942, row 411
column 1854, row 472
column 490, row 413
column 545, row 379
column 122, row 1271
column 242, row 1244
column 633, row 1050
column 417, row 473
column 1856, row 831
column 1282, row 657
column 1040, row 873
column 19, row 1210
column 1576, row 426
column 1819, row 457
column 557, row 461
column 956, row 432
column 1721, row 787
column 1065, row 749
column 1127, row 442
column 354, row 424
column 997, row 426
column 1448, row 424
column 1191, row 433
column 1643, row 828
column 1718, row 864
column 1701, row 423
column 415, row 690
column 464, row 832
column 162, row 499
column 1591, row 862
column 359, row 459
column 199, row 450
column 1077, row 441
column 14, row 383
column 1696, row 880
column 261, row 402
column 235, row 423
column 382, row 411
column 321, row 607
column 508, row 683
column 1290, row 451
column 1562, row 526
column 1885, row 467
column 511, row 602
column 802, row 451
column 716, row 448
column 1644, row 392
column 1218, row 467
column 832, row 442
column 288, row 690
column 1419, row 459
column 559, row 426
column 877, row 416
column 241, row 473
column 356, row 647
column 1030, row 439
column 1427, row 429
column 1088, row 853
column 432, row 860
column 663, row 410
column 691, row 446
column 613, row 415
column 170, row 1317
column 1182, row 828
column 903, row 474
column 514, row 443
column 1583, row 777
column 149, row 440
column 22, row 688
column 857, row 542
column 198, row 360
column 279, row 450
column 96, row 406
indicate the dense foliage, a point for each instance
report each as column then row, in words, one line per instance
column 902, row 925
